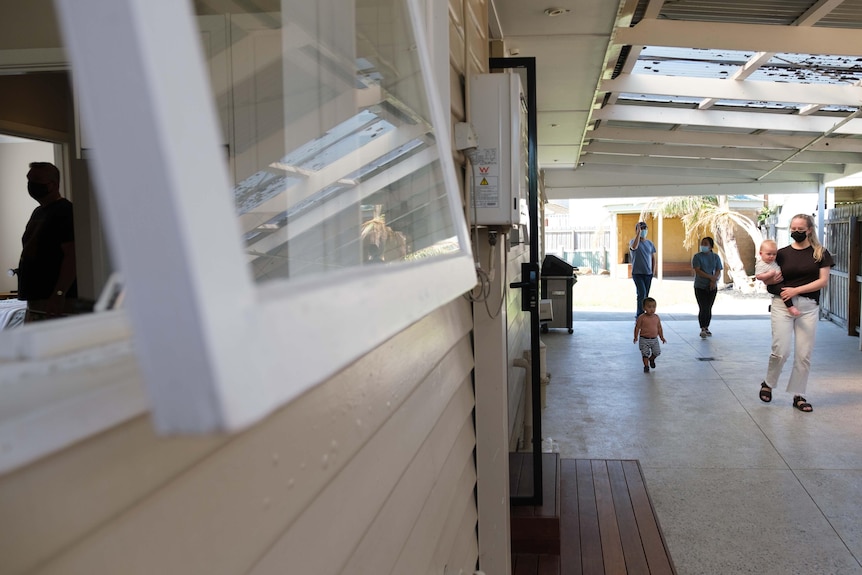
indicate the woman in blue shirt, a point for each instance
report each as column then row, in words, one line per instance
column 707, row 269
column 643, row 257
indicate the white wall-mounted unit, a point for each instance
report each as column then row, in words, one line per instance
column 500, row 163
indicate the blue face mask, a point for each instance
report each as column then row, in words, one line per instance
column 643, row 233
column 704, row 249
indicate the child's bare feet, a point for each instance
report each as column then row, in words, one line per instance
column 794, row 311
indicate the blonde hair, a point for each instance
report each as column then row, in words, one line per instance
column 812, row 237
column 767, row 243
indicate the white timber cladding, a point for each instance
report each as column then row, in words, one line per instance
column 211, row 366
column 371, row 472
column 501, row 330
column 502, row 335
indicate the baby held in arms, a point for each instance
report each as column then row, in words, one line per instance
column 767, row 269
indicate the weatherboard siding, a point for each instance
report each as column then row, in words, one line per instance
column 368, row 470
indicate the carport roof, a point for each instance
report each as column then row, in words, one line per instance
column 694, row 95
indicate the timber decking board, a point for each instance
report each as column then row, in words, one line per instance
column 634, row 556
column 570, row 525
column 532, row 564
column 657, row 554
column 535, row 529
column 607, row 524
column 591, row 541
column 609, row 531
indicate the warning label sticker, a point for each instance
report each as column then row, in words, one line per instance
column 487, row 192
column 486, row 172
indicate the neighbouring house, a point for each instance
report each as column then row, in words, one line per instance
column 580, row 232
column 668, row 234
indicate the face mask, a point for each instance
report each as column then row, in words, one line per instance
column 37, row 190
column 704, row 249
column 643, row 233
column 799, row 236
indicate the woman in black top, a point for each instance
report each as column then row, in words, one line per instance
column 805, row 269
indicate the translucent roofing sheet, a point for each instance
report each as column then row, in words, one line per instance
column 811, row 69
column 660, row 53
column 719, row 64
column 700, row 63
column 655, row 98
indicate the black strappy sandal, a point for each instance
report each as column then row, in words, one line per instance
column 802, row 405
column 765, row 393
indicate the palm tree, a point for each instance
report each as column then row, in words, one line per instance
column 711, row 215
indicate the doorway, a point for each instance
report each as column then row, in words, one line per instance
column 15, row 204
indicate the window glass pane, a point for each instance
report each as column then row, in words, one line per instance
column 332, row 153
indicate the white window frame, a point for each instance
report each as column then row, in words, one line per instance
column 218, row 352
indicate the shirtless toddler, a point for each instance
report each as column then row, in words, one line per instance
column 647, row 333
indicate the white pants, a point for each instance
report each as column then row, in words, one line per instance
column 796, row 332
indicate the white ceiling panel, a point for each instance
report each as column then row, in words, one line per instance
column 590, row 17
column 567, row 70
column 558, row 156
column 555, row 128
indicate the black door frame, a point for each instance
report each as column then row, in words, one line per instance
column 529, row 65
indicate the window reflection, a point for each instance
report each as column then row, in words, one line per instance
column 332, row 151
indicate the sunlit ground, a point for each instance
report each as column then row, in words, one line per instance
column 605, row 293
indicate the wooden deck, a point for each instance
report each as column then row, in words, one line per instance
column 535, row 530
column 607, row 524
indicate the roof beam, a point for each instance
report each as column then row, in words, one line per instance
column 727, row 119
column 652, row 11
column 729, row 153
column 823, row 136
column 634, row 187
column 597, row 175
column 752, row 169
column 825, row 94
column 694, row 138
column 756, row 37
column 809, row 18
column 746, row 70
column 817, row 12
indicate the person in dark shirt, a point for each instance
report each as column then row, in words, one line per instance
column 805, row 271
column 47, row 268
column 707, row 270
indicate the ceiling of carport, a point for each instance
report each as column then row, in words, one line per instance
column 673, row 97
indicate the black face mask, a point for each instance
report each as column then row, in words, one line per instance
column 798, row 236
column 37, row 190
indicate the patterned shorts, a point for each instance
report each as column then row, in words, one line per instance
column 649, row 346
